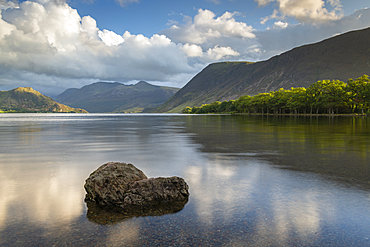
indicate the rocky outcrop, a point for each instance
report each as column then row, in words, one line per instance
column 122, row 186
column 106, row 185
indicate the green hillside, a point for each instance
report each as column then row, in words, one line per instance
column 338, row 58
column 26, row 99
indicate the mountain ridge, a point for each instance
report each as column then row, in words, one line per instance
column 340, row 57
column 117, row 97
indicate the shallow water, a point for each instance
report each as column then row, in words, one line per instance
column 253, row 181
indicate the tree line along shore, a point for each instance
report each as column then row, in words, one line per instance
column 323, row 97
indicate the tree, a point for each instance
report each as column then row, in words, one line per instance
column 243, row 104
column 261, row 102
column 358, row 92
column 297, row 102
column 187, row 110
column 327, row 96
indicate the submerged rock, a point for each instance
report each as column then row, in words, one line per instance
column 122, row 186
column 108, row 216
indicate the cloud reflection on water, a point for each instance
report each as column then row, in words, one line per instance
column 6, row 196
column 50, row 196
column 215, row 189
column 257, row 194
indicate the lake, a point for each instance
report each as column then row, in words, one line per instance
column 254, row 181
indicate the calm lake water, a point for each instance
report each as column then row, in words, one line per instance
column 254, row 181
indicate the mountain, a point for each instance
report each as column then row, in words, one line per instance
column 340, row 57
column 117, row 97
column 26, row 99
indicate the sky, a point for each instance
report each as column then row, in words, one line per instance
column 52, row 45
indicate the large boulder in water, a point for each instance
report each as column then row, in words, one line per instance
column 123, row 186
column 106, row 185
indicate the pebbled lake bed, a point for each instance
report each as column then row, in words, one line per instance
column 254, row 181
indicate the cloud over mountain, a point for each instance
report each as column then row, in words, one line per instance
column 50, row 38
column 276, row 41
column 48, row 44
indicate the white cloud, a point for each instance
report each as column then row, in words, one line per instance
column 52, row 39
column 218, row 53
column 49, row 39
column 281, row 24
column 88, row 25
column 192, row 50
column 110, row 38
column 207, row 26
column 212, row 38
column 309, row 11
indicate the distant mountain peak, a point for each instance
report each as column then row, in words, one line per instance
column 117, row 97
column 143, row 83
column 106, row 83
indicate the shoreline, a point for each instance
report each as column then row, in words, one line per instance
column 303, row 115
column 282, row 114
column 215, row 113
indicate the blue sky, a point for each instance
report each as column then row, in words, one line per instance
column 52, row 45
column 152, row 16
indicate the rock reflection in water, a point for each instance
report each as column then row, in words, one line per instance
column 107, row 216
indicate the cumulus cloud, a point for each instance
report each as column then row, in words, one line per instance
column 218, row 52
column 110, row 38
column 192, row 50
column 212, row 38
column 281, row 24
column 50, row 38
column 309, row 11
column 206, row 26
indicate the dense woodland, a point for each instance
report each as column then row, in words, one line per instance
column 322, row 97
